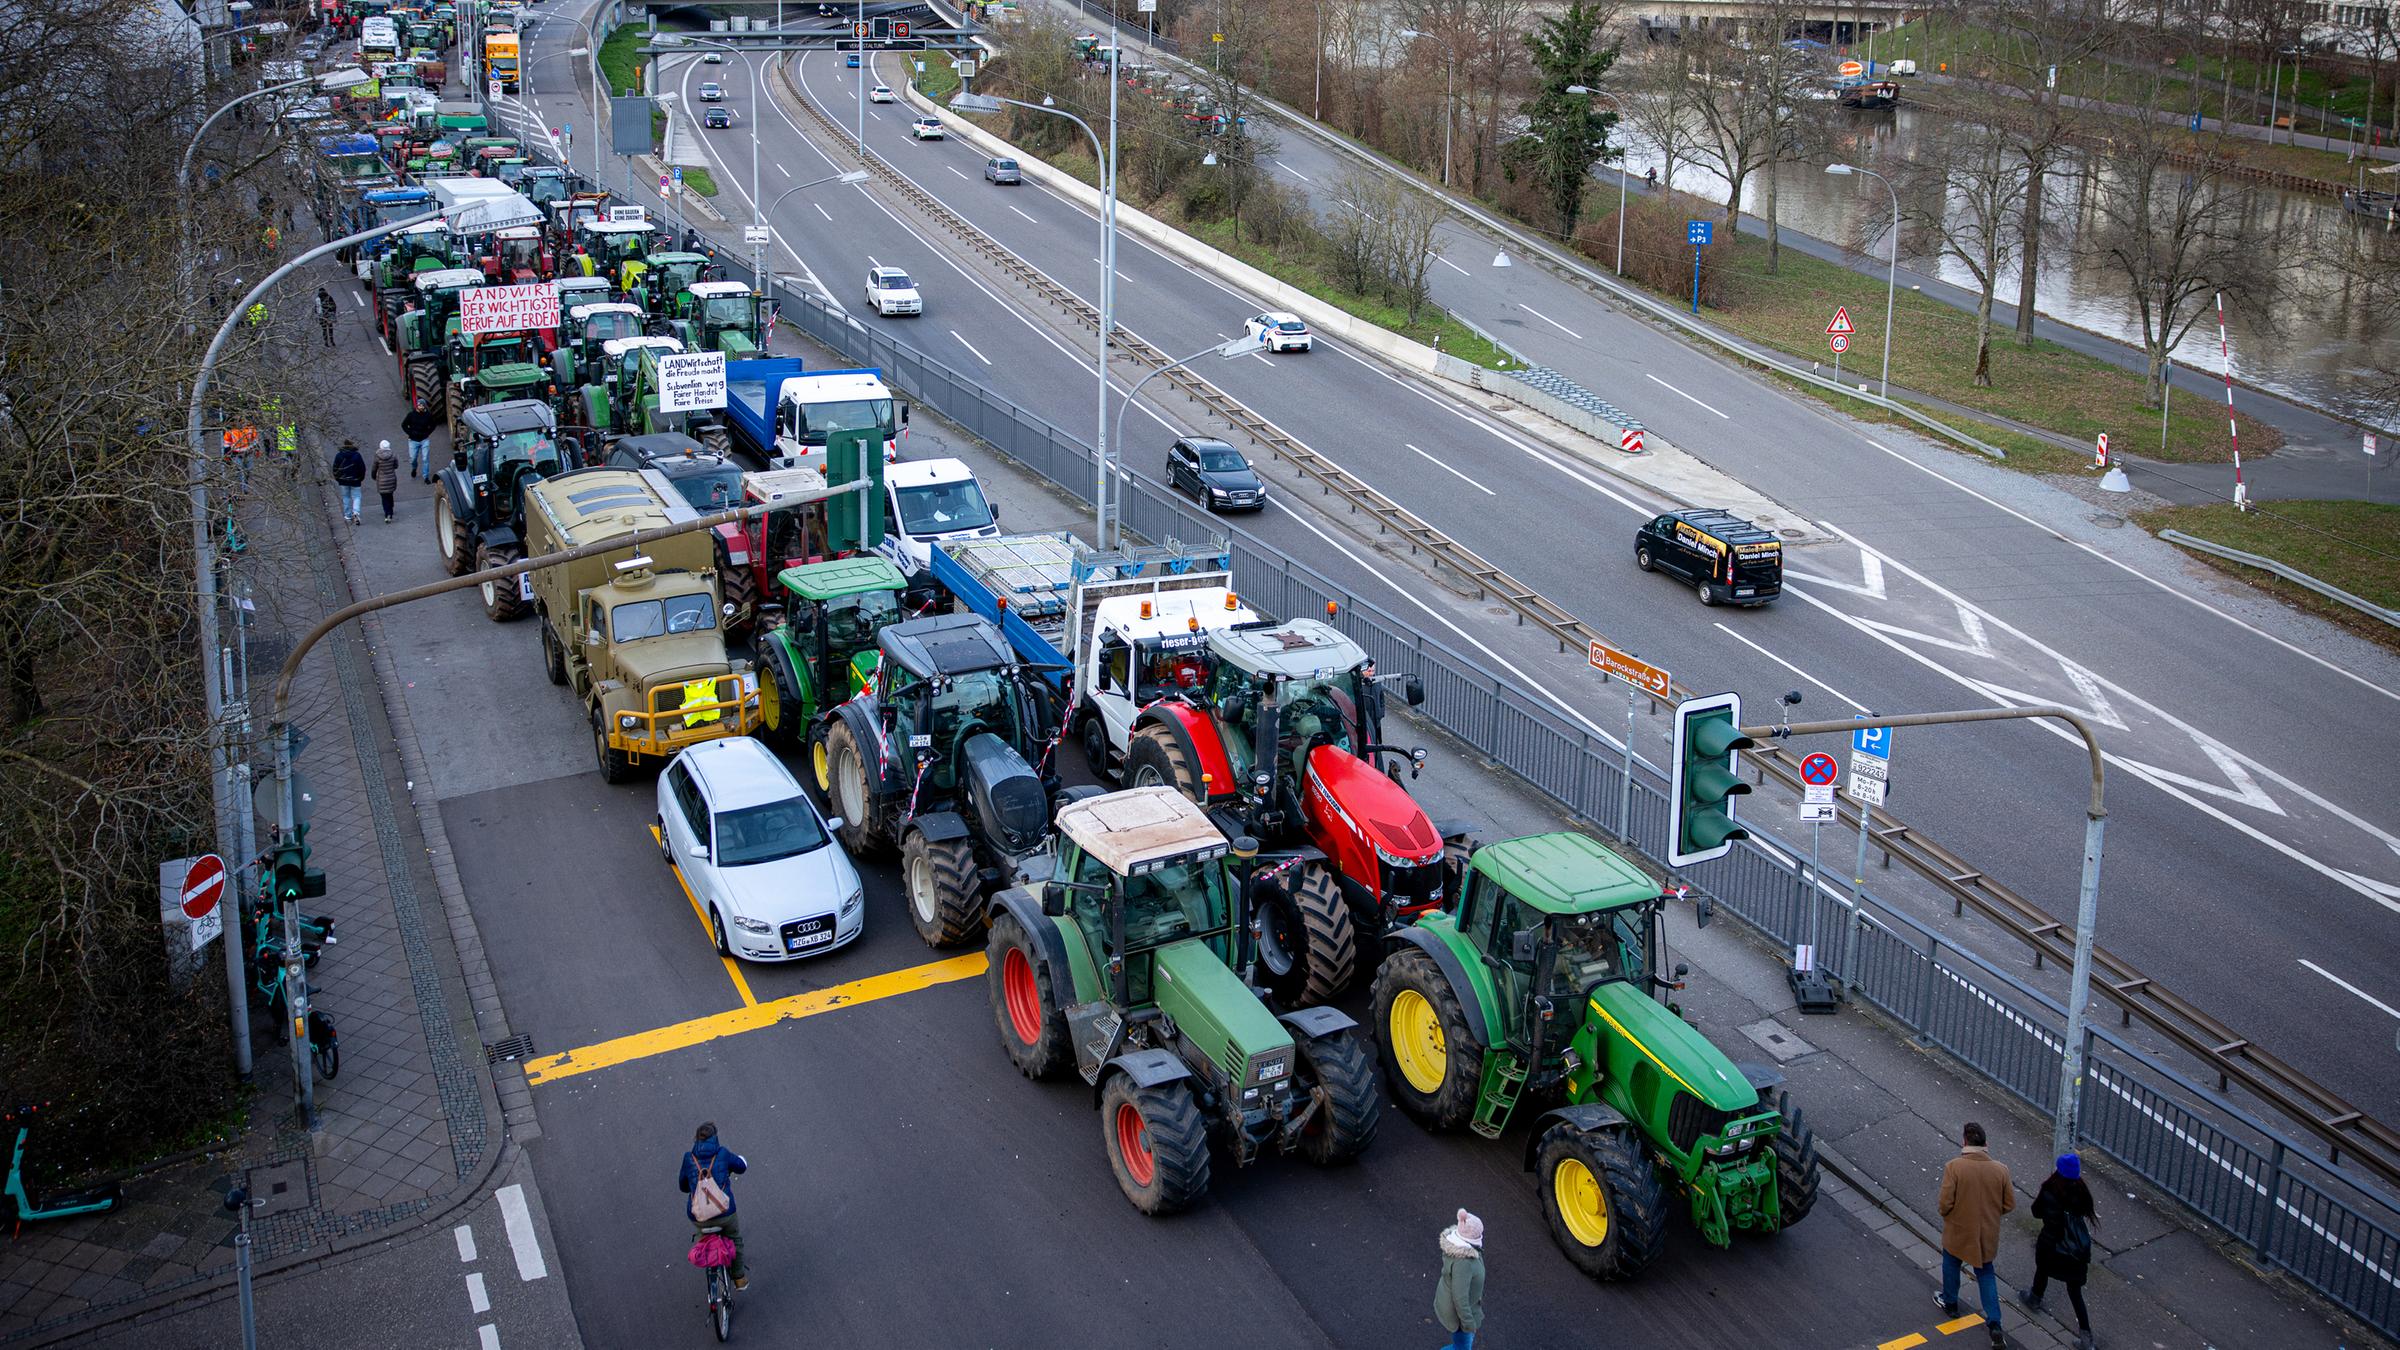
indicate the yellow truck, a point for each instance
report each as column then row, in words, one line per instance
column 500, row 60
column 634, row 632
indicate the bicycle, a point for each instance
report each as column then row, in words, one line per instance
column 720, row 1287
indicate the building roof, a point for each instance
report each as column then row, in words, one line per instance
column 1125, row 830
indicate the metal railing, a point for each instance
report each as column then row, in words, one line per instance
column 2291, row 574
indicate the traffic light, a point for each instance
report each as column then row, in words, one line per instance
column 882, row 29
column 1708, row 739
column 295, row 880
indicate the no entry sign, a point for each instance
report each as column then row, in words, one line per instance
column 203, row 885
column 508, row 309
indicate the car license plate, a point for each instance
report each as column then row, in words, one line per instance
column 1747, row 590
column 800, row 942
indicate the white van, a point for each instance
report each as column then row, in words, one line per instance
column 931, row 501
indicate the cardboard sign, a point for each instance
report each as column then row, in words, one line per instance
column 635, row 214
column 691, row 381
column 508, row 309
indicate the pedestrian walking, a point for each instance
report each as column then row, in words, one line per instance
column 1976, row 1191
column 387, row 476
column 1458, row 1295
column 349, row 474
column 327, row 311
column 418, row 427
column 2062, row 1251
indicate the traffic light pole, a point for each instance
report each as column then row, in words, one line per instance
column 2087, row 900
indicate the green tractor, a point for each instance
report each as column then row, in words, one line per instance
column 580, row 359
column 498, row 450
column 1543, row 984
column 663, row 287
column 824, row 650
column 1123, row 967
column 495, row 368
column 721, row 316
column 409, row 254
column 422, row 332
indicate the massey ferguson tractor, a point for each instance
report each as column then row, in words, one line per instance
column 1543, row 986
column 1284, row 738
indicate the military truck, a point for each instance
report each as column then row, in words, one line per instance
column 1544, row 983
column 633, row 632
column 1126, row 967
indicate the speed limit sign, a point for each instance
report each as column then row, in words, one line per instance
column 1840, row 343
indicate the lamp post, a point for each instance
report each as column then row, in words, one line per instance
column 1891, row 274
column 758, row 252
column 1449, row 97
column 1317, row 108
column 204, row 561
column 990, row 103
column 1587, row 89
column 1241, row 346
column 594, row 124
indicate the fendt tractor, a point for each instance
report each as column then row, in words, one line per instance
column 479, row 496
column 1543, row 985
column 1126, row 967
column 633, row 632
column 421, row 336
column 495, row 368
column 576, row 360
column 722, row 316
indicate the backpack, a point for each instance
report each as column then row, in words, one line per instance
column 709, row 1201
column 2074, row 1239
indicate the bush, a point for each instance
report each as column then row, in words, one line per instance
column 1656, row 252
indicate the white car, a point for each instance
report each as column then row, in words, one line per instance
column 1278, row 331
column 762, row 864
column 926, row 128
column 889, row 292
column 712, row 92
column 882, row 93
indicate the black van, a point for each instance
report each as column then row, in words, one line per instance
column 1726, row 558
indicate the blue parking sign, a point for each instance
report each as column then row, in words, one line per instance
column 1700, row 231
column 1876, row 741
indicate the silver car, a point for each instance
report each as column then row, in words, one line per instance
column 1002, row 170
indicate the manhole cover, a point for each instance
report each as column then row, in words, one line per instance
column 500, row 1052
column 1777, row 1040
column 283, row 1186
column 1791, row 534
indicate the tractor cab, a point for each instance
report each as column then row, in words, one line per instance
column 495, row 368
column 1288, row 690
column 516, row 257
column 836, row 612
column 1143, row 870
column 417, row 250
column 608, row 246
column 432, row 316
column 724, row 316
column 585, row 330
column 818, row 621
column 666, row 280
column 542, row 184
column 947, row 681
column 570, row 213
column 503, row 446
column 487, row 161
column 386, row 205
column 620, row 377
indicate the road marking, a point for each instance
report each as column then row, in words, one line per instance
column 521, row 1240
column 1454, row 473
column 1958, row 1324
column 782, row 170
column 1023, row 214
column 970, row 347
column 477, row 1297
column 954, row 169
column 1449, row 264
column 1550, row 321
column 732, row 967
column 733, row 1022
column 821, row 210
column 1292, row 171
column 487, row 1337
column 1792, row 668
column 360, row 300
column 1664, row 385
column 466, row 1242
column 1907, row 1342
column 2351, row 987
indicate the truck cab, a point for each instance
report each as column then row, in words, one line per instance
column 816, row 404
column 933, row 501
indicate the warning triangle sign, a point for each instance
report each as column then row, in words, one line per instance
column 1841, row 321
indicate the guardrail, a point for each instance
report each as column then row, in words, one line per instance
column 2291, row 574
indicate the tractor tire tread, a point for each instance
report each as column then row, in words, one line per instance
column 1796, row 1167
column 503, row 602
column 1351, row 1108
column 1331, row 949
column 951, row 862
column 1156, row 749
column 1052, row 1055
column 1637, row 1201
column 1178, row 1144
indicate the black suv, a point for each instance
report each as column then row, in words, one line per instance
column 709, row 481
column 1215, row 473
column 1727, row 559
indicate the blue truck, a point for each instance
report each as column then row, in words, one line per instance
column 781, row 413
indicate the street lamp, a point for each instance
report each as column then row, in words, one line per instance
column 990, row 103
column 204, row 560
column 1891, row 273
column 594, row 124
column 1449, row 96
column 1241, row 346
column 758, row 251
column 1586, row 89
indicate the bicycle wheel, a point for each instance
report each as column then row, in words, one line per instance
column 328, row 1057
column 720, row 1302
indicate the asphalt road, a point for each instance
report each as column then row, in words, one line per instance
column 2235, row 728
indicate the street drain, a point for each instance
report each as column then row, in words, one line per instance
column 513, row 1048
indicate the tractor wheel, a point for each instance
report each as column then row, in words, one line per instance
column 554, row 657
column 782, row 713
column 942, row 888
column 1032, row 1028
column 843, row 777
column 738, row 583
column 454, row 403
column 1153, row 757
column 1310, row 947
column 454, row 537
column 615, row 765
column 1095, row 748
column 424, row 384
column 1430, row 1059
column 1339, row 1075
column 1157, row 1143
column 1795, row 1163
column 1606, row 1208
column 502, row 600
column 717, row 440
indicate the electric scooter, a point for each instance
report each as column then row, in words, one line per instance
column 66, row 1204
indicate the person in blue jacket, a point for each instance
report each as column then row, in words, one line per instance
column 722, row 1165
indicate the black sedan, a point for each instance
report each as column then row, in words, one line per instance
column 1215, row 473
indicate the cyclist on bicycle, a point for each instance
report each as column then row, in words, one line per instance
column 720, row 1164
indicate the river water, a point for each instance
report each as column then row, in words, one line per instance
column 2312, row 338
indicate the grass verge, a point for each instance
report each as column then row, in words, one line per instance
column 2352, row 545
column 939, row 79
column 699, row 180
column 617, row 59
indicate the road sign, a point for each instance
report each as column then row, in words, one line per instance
column 1865, row 786
column 679, row 175
column 203, row 887
column 861, row 29
column 754, row 234
column 1630, row 668
column 691, row 381
column 1840, row 342
column 2369, row 443
column 1875, row 742
column 1216, row 37
column 1841, row 321
column 662, row 182
column 1147, row 7
column 508, row 309
column 1819, row 770
column 1630, row 441
column 899, row 28
column 1816, row 805
column 1849, row 68
column 1698, row 231
column 495, row 90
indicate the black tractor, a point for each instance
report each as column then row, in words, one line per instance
column 479, row 509
column 937, row 760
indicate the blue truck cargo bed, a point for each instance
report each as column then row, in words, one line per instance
column 751, row 388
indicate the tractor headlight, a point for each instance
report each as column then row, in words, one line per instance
column 628, row 721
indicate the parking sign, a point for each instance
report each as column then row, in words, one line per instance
column 1700, row 231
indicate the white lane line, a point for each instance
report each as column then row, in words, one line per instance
column 487, row 1337
column 970, row 347
column 1664, row 385
column 2131, row 570
column 821, row 210
column 1550, row 321
column 954, row 169
column 1854, row 703
column 1454, row 473
column 1451, row 265
column 522, row 1240
column 359, row 299
column 477, row 1297
column 466, row 1242
column 1023, row 214
column 2351, row 987
column 1292, row 171
column 782, row 170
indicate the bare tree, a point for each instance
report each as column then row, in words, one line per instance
column 1353, row 228
column 1658, row 102
column 1411, row 243
column 1966, row 198
column 1734, row 117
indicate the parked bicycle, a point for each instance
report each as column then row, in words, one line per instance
column 65, row 1204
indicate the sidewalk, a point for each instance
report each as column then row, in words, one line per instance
column 413, row 1128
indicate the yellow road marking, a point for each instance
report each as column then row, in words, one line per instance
column 732, row 967
column 1907, row 1342
column 733, row 1022
column 1958, row 1324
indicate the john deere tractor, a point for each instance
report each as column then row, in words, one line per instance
column 936, row 761
column 720, row 316
column 824, row 650
column 1543, row 986
column 1122, row 967
column 479, row 501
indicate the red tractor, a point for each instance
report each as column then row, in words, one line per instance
column 517, row 257
column 1283, row 742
